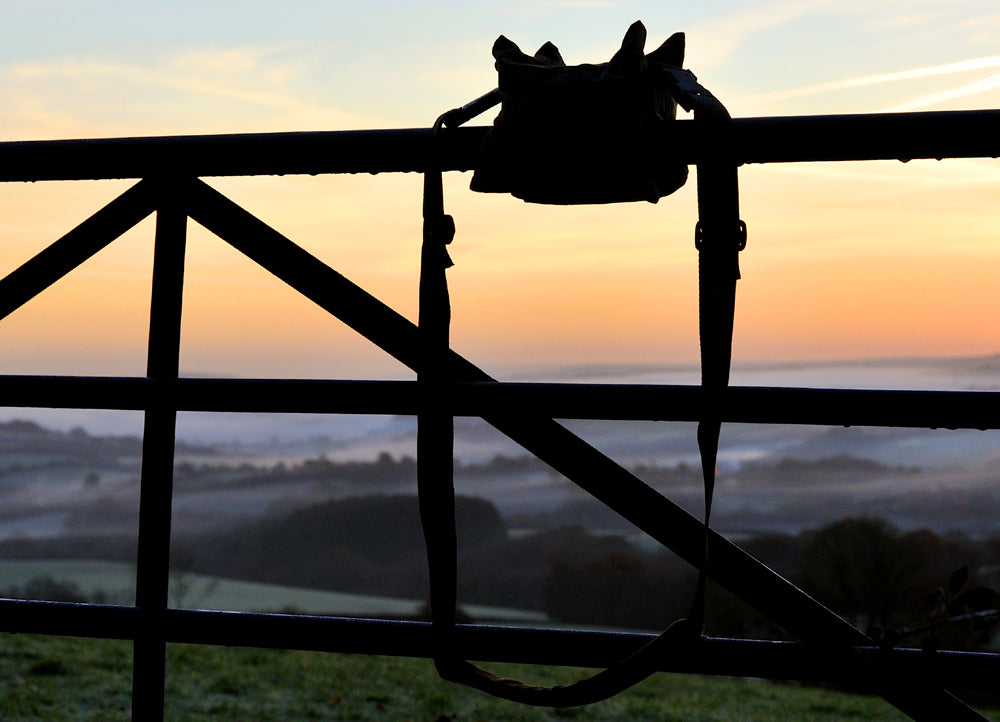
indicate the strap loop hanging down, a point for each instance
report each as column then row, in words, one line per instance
column 435, row 424
column 718, row 272
column 720, row 235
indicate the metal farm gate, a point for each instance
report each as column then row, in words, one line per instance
column 170, row 169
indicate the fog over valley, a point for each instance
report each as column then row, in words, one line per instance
column 326, row 502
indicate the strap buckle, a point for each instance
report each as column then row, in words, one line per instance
column 700, row 231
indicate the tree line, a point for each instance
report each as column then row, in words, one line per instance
column 882, row 579
column 913, row 587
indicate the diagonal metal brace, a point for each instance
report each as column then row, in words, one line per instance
column 97, row 232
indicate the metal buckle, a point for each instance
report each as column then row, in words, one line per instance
column 741, row 231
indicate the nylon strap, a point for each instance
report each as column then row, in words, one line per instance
column 719, row 237
column 435, row 423
column 718, row 272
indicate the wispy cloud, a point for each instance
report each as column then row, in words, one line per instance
column 584, row 4
column 929, row 100
column 174, row 79
column 224, row 60
column 982, row 28
column 924, row 100
column 195, row 91
column 717, row 40
column 543, row 8
column 964, row 66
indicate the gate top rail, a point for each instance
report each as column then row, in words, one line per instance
column 885, row 136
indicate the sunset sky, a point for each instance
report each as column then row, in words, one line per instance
column 844, row 260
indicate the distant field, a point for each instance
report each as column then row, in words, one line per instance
column 201, row 592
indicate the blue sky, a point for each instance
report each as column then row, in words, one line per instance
column 193, row 66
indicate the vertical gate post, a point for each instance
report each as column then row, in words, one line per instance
column 156, row 485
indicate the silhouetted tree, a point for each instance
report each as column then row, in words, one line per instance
column 46, row 588
column 863, row 569
column 620, row 589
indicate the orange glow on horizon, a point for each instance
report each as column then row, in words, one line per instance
column 845, row 262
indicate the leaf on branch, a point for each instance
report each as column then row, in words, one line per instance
column 979, row 599
column 957, row 580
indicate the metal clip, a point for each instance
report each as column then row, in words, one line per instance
column 687, row 91
column 741, row 238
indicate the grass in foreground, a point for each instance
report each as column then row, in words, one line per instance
column 54, row 679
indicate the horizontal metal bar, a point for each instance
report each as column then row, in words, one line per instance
column 209, row 394
column 876, row 136
column 555, row 647
column 887, row 136
column 351, row 151
column 744, row 404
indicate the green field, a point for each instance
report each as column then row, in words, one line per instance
column 57, row 678
column 202, row 592
column 53, row 679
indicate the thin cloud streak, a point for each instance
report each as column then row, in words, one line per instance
column 721, row 37
column 145, row 76
column 56, row 95
column 992, row 61
column 931, row 99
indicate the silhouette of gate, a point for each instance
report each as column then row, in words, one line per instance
column 170, row 168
